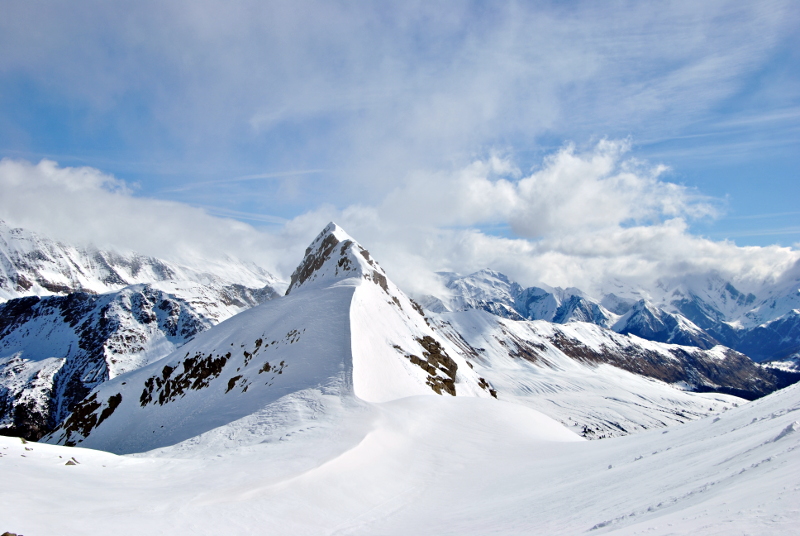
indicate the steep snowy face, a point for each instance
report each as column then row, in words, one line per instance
column 394, row 351
column 343, row 330
column 580, row 309
column 235, row 369
column 537, row 304
column 654, row 324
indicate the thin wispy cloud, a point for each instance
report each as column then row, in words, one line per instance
column 244, row 178
column 239, row 215
column 765, row 232
column 763, row 216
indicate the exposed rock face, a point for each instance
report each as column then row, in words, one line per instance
column 55, row 350
column 316, row 255
column 440, row 367
column 723, row 371
column 335, row 255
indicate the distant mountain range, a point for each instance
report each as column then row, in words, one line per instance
column 129, row 353
column 701, row 312
column 344, row 333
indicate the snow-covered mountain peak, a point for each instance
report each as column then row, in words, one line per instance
column 343, row 330
column 333, row 255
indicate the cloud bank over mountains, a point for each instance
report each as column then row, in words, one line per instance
column 583, row 218
column 437, row 133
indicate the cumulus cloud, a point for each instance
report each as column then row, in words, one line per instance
column 571, row 192
column 583, row 218
column 82, row 205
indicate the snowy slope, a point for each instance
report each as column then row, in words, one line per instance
column 424, row 465
column 84, row 339
column 77, row 317
column 342, row 329
column 599, row 383
column 54, row 350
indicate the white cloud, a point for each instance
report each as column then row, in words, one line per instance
column 379, row 89
column 572, row 192
column 85, row 206
column 584, row 218
column 589, row 217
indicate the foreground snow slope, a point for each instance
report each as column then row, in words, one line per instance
column 422, row 465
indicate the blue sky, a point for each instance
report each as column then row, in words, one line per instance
column 283, row 114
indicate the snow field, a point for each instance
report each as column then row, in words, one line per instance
column 426, row 465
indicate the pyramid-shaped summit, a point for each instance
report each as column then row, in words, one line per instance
column 342, row 330
column 335, row 255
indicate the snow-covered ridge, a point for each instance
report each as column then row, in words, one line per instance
column 343, row 329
